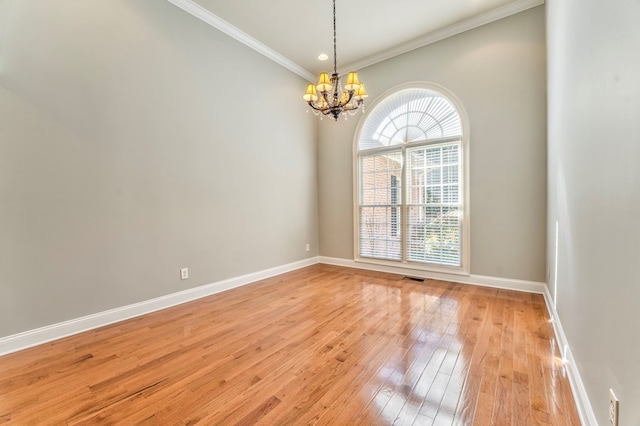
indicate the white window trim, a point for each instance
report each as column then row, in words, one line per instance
column 464, row 269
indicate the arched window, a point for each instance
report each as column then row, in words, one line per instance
column 410, row 180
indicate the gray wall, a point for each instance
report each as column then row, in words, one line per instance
column 136, row 140
column 498, row 73
column 594, row 193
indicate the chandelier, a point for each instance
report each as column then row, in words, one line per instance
column 333, row 100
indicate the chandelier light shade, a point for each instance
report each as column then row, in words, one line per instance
column 328, row 97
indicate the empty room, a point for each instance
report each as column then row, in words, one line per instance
column 336, row 212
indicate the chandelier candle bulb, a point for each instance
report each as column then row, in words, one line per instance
column 332, row 100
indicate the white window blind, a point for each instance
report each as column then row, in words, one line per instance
column 380, row 213
column 434, row 211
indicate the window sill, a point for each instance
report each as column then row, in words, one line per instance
column 451, row 270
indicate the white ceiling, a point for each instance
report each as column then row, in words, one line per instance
column 294, row 32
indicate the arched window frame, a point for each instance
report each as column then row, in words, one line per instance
column 464, row 268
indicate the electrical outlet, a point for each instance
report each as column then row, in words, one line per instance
column 308, row 247
column 613, row 408
column 184, row 273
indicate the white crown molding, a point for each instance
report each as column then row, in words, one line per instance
column 206, row 16
column 57, row 331
column 446, row 32
column 215, row 21
column 585, row 411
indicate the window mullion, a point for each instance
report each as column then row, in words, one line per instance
column 403, row 203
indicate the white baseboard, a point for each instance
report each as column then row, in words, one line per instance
column 482, row 280
column 53, row 332
column 49, row 333
column 585, row 411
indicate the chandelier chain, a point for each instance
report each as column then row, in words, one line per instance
column 335, row 55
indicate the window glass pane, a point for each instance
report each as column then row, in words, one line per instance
column 450, row 174
column 434, row 235
column 450, row 194
column 368, row 165
column 434, row 176
column 450, row 155
column 376, row 179
column 380, row 232
column 433, row 194
column 433, row 156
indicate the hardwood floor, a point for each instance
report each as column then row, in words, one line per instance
column 321, row 345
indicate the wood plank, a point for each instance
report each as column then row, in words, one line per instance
column 320, row 345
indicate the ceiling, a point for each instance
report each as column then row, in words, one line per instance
column 294, row 32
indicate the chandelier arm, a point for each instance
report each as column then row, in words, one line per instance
column 315, row 107
column 353, row 107
column 346, row 101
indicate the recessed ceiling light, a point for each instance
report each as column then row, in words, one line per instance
column 323, row 57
